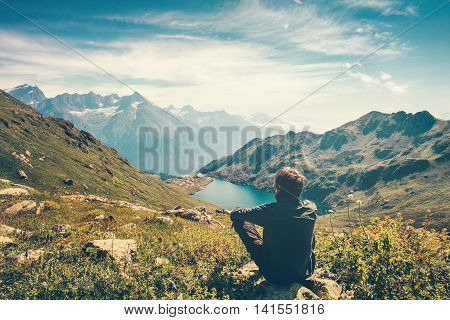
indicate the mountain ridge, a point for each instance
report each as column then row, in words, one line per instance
column 128, row 123
column 392, row 161
column 53, row 155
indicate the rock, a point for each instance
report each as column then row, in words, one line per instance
column 326, row 289
column 161, row 261
column 17, row 185
column 164, row 220
column 7, row 230
column 85, row 187
column 306, row 294
column 314, row 288
column 68, row 182
column 106, row 202
column 177, row 208
column 104, row 218
column 30, row 256
column 129, row 226
column 22, row 175
column 41, row 159
column 223, row 211
column 119, row 249
column 14, row 192
column 40, row 208
column 28, row 153
column 5, row 241
column 26, row 205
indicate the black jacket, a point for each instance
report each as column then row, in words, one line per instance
column 288, row 239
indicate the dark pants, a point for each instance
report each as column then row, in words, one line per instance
column 253, row 242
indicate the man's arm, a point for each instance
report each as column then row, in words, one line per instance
column 256, row 215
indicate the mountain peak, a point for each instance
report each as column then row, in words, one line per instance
column 28, row 94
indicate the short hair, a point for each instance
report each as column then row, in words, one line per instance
column 289, row 181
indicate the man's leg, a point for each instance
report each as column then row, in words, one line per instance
column 252, row 240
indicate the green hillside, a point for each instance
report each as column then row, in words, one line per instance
column 58, row 151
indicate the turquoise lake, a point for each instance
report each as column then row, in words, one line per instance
column 230, row 196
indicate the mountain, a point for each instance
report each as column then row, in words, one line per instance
column 163, row 140
column 392, row 162
column 30, row 95
column 58, row 158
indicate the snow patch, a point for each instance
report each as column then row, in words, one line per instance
column 105, row 112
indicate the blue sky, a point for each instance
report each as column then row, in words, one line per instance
column 241, row 56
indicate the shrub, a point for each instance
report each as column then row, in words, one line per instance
column 392, row 261
column 51, row 206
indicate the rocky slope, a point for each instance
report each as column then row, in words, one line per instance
column 52, row 155
column 391, row 162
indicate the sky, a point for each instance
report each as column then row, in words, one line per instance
column 240, row 56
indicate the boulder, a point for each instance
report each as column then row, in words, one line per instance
column 313, row 288
column 22, row 175
column 104, row 218
column 129, row 226
column 119, row 249
column 40, row 208
column 164, row 220
column 22, row 206
column 29, row 256
column 223, row 211
column 14, row 192
column 68, row 182
column 7, row 230
column 5, row 241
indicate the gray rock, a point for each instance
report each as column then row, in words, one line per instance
column 314, row 288
column 68, row 182
column 119, row 249
column 22, row 175
column 22, row 206
column 14, row 192
column 164, row 220
column 7, row 230
column 5, row 241
column 30, row 256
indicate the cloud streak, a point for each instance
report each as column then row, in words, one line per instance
column 386, row 7
column 295, row 28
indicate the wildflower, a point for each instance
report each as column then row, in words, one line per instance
column 359, row 202
column 350, row 197
column 330, row 211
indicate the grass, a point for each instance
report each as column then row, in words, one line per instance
column 188, row 260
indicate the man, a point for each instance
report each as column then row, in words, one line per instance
column 285, row 253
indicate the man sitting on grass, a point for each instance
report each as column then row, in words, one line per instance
column 285, row 253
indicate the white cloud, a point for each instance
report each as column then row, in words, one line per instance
column 383, row 81
column 386, row 7
column 209, row 74
column 297, row 28
column 395, row 88
column 365, row 78
column 385, row 76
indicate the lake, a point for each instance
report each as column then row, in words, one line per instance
column 230, row 196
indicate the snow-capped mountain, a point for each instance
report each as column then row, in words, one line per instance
column 169, row 140
column 30, row 95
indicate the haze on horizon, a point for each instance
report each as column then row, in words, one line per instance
column 240, row 56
